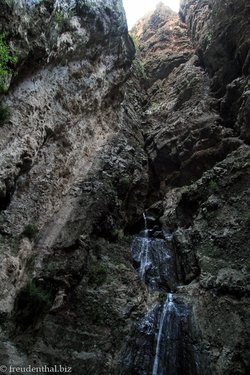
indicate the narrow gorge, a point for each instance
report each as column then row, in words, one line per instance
column 124, row 188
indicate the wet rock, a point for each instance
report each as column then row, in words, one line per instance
column 173, row 351
column 93, row 141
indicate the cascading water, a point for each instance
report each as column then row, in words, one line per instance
column 154, row 259
column 164, row 344
column 168, row 306
column 144, row 262
column 173, row 345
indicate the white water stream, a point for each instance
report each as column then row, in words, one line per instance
column 156, row 267
column 166, row 314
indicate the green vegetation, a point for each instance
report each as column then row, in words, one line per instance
column 98, row 274
column 118, row 234
column 4, row 114
column 191, row 81
column 37, row 294
column 59, row 17
column 135, row 40
column 141, row 68
column 138, row 64
column 32, row 301
column 242, row 164
column 208, row 39
column 125, row 181
column 247, row 216
column 30, row 231
column 154, row 106
column 213, row 185
column 6, row 59
column 210, row 250
column 11, row 243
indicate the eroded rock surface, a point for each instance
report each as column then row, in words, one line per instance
column 99, row 132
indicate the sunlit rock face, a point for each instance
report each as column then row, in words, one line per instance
column 95, row 139
column 163, row 43
column 64, row 189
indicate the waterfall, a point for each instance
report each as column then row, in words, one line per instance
column 145, row 220
column 168, row 306
column 154, row 258
column 144, row 262
column 167, row 334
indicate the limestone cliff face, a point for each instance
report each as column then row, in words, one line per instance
column 95, row 139
column 220, row 31
column 64, row 189
column 196, row 140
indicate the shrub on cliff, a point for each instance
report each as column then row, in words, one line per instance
column 4, row 114
column 32, row 301
column 6, row 59
column 30, row 231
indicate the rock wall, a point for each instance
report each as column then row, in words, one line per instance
column 73, row 172
column 220, row 31
column 99, row 133
column 198, row 152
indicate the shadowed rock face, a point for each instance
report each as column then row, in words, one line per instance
column 185, row 134
column 221, row 35
column 198, row 154
column 96, row 138
column 175, row 351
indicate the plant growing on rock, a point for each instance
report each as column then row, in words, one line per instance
column 37, row 293
column 192, row 81
column 125, row 181
column 30, row 231
column 139, row 67
column 208, row 39
column 4, row 114
column 248, row 218
column 98, row 274
column 213, row 185
column 118, row 234
column 59, row 16
column 31, row 303
column 6, row 59
column 135, row 40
